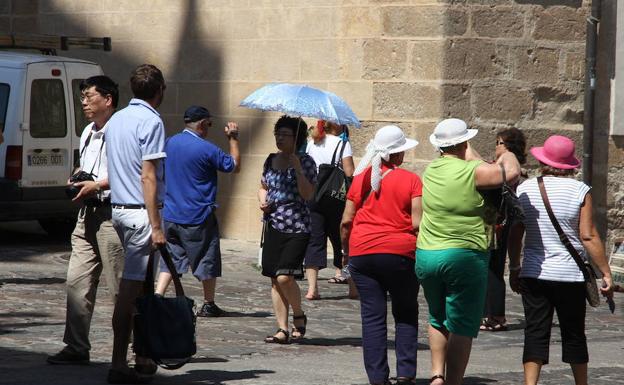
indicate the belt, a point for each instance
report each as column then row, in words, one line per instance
column 133, row 207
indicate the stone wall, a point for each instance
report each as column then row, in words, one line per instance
column 494, row 63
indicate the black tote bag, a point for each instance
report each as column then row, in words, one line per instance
column 332, row 183
column 164, row 328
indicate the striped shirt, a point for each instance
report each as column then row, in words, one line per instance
column 545, row 257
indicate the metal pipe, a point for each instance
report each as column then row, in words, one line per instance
column 590, row 89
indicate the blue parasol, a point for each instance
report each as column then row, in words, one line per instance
column 301, row 100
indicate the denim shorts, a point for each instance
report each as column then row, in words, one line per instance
column 195, row 246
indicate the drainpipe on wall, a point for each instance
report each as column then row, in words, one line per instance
column 590, row 89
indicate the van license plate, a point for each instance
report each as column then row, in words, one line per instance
column 43, row 160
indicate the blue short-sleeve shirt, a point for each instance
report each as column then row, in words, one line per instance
column 191, row 177
column 133, row 135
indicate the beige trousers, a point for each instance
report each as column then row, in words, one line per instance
column 95, row 248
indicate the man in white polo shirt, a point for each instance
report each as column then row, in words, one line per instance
column 135, row 144
column 95, row 244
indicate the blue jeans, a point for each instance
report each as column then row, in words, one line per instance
column 376, row 275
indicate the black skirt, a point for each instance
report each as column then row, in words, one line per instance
column 283, row 253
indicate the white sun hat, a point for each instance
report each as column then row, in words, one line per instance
column 388, row 140
column 450, row 132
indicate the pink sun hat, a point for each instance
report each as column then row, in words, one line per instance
column 558, row 152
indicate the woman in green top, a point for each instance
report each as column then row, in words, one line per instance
column 451, row 255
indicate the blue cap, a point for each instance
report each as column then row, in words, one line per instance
column 196, row 113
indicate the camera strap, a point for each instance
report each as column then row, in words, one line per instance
column 99, row 157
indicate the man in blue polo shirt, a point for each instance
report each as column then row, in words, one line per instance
column 191, row 226
column 135, row 145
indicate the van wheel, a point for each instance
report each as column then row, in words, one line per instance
column 59, row 228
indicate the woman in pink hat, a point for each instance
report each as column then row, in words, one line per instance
column 548, row 276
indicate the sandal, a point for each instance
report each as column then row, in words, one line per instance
column 437, row 377
column 299, row 329
column 313, row 297
column 493, row 325
column 276, row 340
column 339, row 279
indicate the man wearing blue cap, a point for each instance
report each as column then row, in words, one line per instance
column 191, row 227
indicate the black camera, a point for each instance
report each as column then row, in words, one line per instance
column 80, row 176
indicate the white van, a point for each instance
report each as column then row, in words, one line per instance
column 41, row 119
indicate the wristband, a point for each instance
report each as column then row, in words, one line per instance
column 515, row 268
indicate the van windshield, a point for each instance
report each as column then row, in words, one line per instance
column 48, row 117
column 4, row 103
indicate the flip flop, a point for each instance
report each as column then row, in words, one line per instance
column 338, row 280
column 312, row 297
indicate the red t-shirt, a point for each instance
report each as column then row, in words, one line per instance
column 383, row 225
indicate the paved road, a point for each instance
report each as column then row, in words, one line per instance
column 230, row 349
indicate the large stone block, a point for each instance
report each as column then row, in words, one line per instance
column 166, row 26
column 234, row 57
column 212, row 95
column 234, row 215
column 574, row 66
column 562, row 104
column 275, row 60
column 359, row 96
column 350, row 59
column 406, row 101
column 504, row 22
column 427, row 59
column 317, row 60
column 433, row 21
column 560, row 23
column 120, row 29
column 358, row 22
column 502, row 103
column 385, row 59
column 456, row 101
column 474, row 59
column 535, row 64
column 421, row 131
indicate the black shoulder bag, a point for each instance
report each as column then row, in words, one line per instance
column 591, row 287
column 332, row 184
column 164, row 328
column 510, row 206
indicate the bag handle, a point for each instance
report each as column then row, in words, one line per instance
column 338, row 162
column 148, row 284
column 562, row 236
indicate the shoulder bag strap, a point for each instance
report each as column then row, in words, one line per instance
column 148, row 284
column 562, row 236
column 335, row 162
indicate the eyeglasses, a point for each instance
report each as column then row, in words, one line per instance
column 88, row 97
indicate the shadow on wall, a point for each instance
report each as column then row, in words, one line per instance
column 192, row 66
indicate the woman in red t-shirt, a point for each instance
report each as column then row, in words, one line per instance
column 378, row 229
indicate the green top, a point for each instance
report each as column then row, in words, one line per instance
column 453, row 209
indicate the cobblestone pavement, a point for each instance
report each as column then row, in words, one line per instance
column 231, row 349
